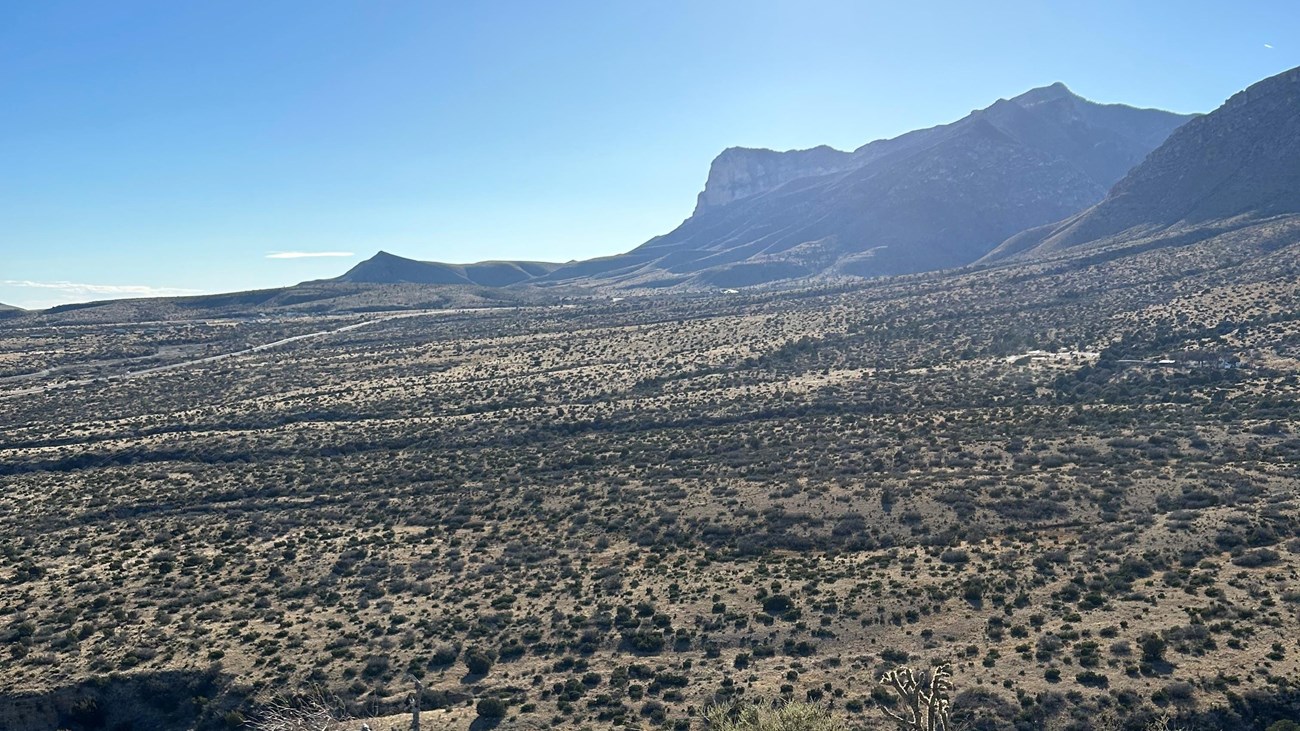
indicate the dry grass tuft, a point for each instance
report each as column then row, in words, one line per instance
column 769, row 716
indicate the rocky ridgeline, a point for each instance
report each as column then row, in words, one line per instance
column 1241, row 161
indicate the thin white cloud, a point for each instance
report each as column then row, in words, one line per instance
column 33, row 295
column 306, row 254
column 106, row 290
column 1268, row 45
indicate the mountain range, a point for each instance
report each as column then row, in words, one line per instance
column 1045, row 176
column 930, row 199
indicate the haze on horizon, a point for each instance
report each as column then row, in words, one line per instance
column 160, row 148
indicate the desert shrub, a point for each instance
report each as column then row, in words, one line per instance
column 1092, row 679
column 1256, row 558
column 1153, row 648
column 444, row 655
column 645, row 641
column 768, row 716
column 954, row 556
column 490, row 708
column 477, row 662
column 777, row 604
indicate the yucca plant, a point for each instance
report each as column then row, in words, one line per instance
column 924, row 700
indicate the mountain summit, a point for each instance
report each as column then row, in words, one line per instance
column 1239, row 163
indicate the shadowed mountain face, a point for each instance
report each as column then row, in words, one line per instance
column 1104, row 141
column 10, row 310
column 930, row 199
column 1227, row 169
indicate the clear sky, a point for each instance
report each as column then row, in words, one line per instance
column 167, row 147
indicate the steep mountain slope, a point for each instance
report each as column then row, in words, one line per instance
column 923, row 211
column 10, row 311
column 930, row 199
column 1231, row 168
column 1105, row 140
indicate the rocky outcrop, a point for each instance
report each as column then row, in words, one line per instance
column 196, row 699
column 741, row 172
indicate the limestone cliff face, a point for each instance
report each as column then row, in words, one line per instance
column 1103, row 140
column 741, row 172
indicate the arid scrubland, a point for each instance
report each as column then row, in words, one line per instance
column 619, row 514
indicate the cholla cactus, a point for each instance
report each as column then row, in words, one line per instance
column 925, row 700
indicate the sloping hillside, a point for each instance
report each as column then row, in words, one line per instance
column 1233, row 167
column 385, row 268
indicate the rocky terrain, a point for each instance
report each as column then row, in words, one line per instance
column 1070, row 474
column 1073, row 480
column 930, row 199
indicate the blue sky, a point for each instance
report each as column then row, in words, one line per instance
column 169, row 147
